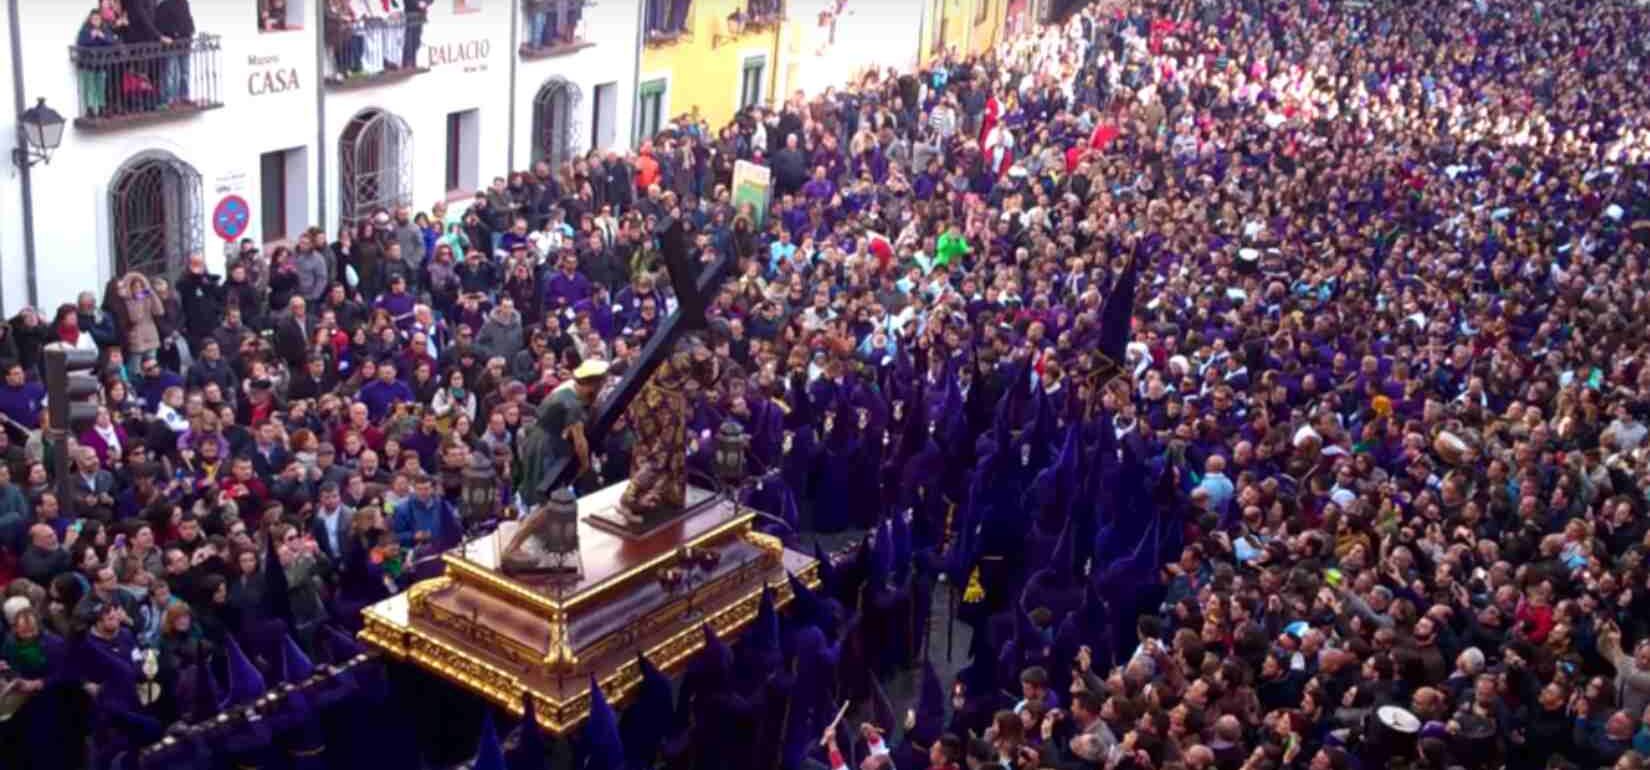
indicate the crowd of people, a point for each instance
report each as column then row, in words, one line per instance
column 1268, row 381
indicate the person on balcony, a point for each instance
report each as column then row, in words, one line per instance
column 344, row 38
column 138, row 80
column 272, row 15
column 141, row 26
column 417, row 12
column 177, row 26
column 555, row 22
column 572, row 14
column 679, row 10
column 114, row 17
column 540, row 14
column 394, row 33
column 94, row 78
column 658, row 17
column 371, row 21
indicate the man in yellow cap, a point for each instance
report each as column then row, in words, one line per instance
column 559, row 430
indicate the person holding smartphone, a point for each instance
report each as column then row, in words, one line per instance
column 137, row 309
column 878, row 758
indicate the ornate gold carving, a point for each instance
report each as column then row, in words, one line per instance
column 771, row 546
column 413, row 628
column 670, row 613
column 469, row 573
column 518, row 651
column 463, row 669
column 468, row 670
column 419, row 594
column 736, row 524
column 560, row 656
column 391, row 640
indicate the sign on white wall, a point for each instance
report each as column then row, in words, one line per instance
column 269, row 75
column 231, row 213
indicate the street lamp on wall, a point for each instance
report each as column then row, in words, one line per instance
column 731, row 32
column 41, row 133
column 736, row 23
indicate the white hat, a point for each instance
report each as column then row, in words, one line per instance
column 13, row 606
column 593, row 369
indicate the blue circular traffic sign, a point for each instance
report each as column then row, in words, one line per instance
column 230, row 218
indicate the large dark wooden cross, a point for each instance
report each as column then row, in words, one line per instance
column 694, row 284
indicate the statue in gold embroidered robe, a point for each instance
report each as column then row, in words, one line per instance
column 658, row 471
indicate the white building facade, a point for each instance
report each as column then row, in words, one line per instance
column 838, row 41
column 277, row 117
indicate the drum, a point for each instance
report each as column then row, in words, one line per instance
column 1392, row 733
column 1475, row 741
column 1453, row 449
column 12, row 698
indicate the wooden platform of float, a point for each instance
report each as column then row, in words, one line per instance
column 501, row 636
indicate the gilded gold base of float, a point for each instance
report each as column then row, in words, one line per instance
column 501, row 636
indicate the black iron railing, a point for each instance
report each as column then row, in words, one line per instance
column 373, row 48
column 135, row 81
column 762, row 14
column 668, row 20
column 552, row 25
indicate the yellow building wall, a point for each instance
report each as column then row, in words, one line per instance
column 968, row 27
column 793, row 55
column 988, row 25
column 704, row 67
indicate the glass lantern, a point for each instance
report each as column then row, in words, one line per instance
column 479, row 500
column 560, row 531
column 731, row 443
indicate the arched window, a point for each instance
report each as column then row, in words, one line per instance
column 554, row 121
column 374, row 165
column 155, row 205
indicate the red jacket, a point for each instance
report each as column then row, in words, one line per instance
column 249, row 495
column 373, row 437
column 647, row 171
column 1534, row 621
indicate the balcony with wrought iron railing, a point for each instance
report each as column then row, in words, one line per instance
column 751, row 17
column 372, row 51
column 668, row 21
column 760, row 15
column 553, row 28
column 135, row 83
